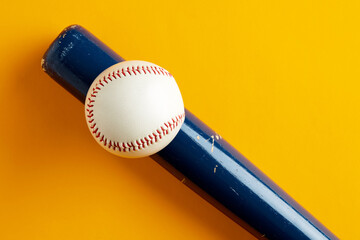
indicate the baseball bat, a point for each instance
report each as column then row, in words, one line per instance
column 198, row 156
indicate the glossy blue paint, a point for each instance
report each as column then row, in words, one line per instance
column 200, row 155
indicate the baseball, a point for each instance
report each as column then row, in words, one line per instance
column 134, row 109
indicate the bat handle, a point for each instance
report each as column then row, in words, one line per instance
column 198, row 156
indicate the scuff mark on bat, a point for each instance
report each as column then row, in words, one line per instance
column 66, row 50
column 43, row 64
column 215, row 168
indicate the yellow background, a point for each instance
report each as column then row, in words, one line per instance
column 279, row 80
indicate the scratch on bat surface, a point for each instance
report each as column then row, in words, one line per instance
column 215, row 168
column 212, row 144
column 183, row 180
column 212, row 139
column 234, row 191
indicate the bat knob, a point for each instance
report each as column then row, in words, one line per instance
column 75, row 58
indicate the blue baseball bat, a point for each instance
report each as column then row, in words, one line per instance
column 197, row 156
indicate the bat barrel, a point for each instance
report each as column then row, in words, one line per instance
column 197, row 156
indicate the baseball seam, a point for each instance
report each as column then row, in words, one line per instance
column 137, row 144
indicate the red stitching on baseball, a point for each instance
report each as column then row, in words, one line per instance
column 128, row 70
column 117, row 146
column 138, row 144
column 133, row 70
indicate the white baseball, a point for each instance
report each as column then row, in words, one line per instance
column 134, row 109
